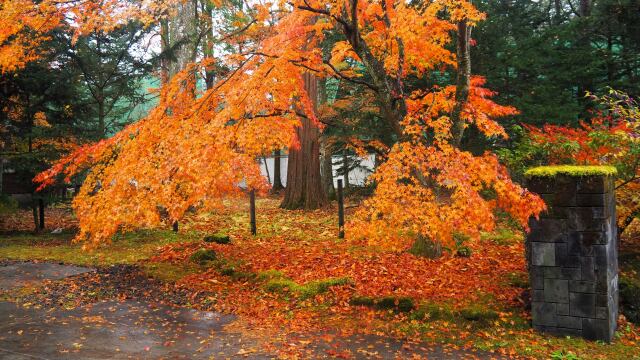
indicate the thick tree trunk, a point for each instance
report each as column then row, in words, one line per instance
column 463, row 80
column 304, row 186
column 183, row 36
column 165, row 41
column 326, row 170
column 277, row 174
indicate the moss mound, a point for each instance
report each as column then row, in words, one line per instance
column 276, row 282
column 571, row 170
column 434, row 312
column 217, row 238
column 400, row 304
column 202, row 256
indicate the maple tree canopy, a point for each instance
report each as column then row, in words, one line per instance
column 194, row 150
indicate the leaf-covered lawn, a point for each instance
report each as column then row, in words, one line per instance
column 296, row 275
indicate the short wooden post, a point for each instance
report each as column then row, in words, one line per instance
column 34, row 207
column 41, row 205
column 175, row 226
column 340, row 211
column 252, row 210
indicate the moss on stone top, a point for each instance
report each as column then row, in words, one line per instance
column 571, row 170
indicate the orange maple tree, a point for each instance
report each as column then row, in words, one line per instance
column 26, row 24
column 196, row 146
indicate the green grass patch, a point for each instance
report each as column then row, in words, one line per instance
column 518, row 280
column 127, row 248
column 270, row 274
column 502, row 236
column 168, row 272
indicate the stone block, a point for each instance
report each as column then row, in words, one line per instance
column 602, row 312
column 569, row 322
column 541, row 185
column 536, row 281
column 596, row 329
column 588, row 238
column 561, row 252
column 582, row 305
column 601, row 300
column 537, row 296
column 594, row 185
column 543, row 254
column 544, row 314
column 588, row 268
column 549, row 230
column 574, row 273
column 579, row 286
column 556, row 290
column 565, row 191
column 552, row 272
column 578, row 221
column 559, row 331
column 592, row 199
column 571, row 262
column 562, row 309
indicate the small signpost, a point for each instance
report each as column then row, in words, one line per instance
column 340, row 211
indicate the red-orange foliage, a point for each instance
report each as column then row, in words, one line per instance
column 611, row 138
column 195, row 150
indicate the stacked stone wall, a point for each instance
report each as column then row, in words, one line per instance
column 572, row 254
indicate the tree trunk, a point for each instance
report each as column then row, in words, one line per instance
column 165, row 40
column 326, row 171
column 102, row 131
column 304, row 186
column 463, row 80
column 277, row 174
column 207, row 49
column 1, row 170
column 345, row 168
column 34, row 209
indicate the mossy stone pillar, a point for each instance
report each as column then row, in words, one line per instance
column 572, row 252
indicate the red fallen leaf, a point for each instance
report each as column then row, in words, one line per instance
column 340, row 354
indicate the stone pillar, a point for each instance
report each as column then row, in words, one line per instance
column 572, row 252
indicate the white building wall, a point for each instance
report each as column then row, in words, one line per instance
column 357, row 176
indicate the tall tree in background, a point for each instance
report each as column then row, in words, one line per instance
column 112, row 65
column 541, row 56
column 304, row 186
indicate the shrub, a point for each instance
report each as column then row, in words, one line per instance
column 630, row 299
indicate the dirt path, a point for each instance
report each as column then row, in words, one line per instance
column 142, row 328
